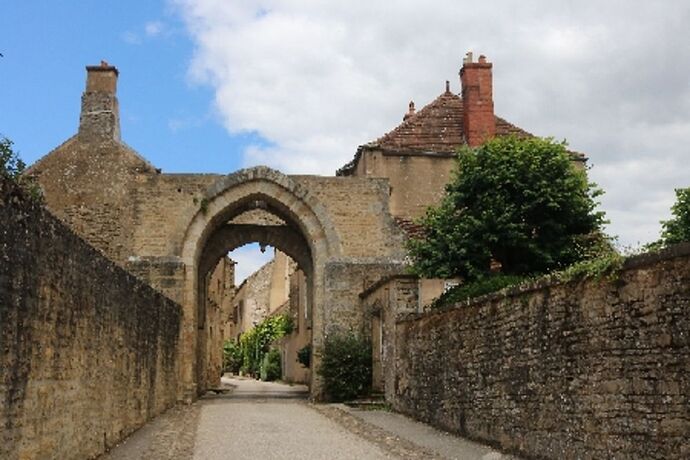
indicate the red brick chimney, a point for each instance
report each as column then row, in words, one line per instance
column 100, row 114
column 479, row 123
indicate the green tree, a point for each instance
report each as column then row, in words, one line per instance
column 11, row 166
column 255, row 343
column 517, row 201
column 677, row 228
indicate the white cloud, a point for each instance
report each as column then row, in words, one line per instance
column 153, row 28
column 150, row 30
column 249, row 259
column 316, row 79
column 131, row 38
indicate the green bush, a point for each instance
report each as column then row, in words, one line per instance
column 255, row 343
column 271, row 366
column 304, row 356
column 346, row 366
column 232, row 357
column 608, row 265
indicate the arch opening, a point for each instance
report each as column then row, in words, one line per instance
column 271, row 211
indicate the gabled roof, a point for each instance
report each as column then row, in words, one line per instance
column 436, row 129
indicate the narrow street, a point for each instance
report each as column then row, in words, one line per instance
column 266, row 420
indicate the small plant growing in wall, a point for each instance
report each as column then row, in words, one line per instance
column 203, row 205
column 346, row 366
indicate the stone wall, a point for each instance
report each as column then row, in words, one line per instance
column 343, row 311
column 416, row 181
column 88, row 353
column 385, row 300
column 358, row 209
column 588, row 369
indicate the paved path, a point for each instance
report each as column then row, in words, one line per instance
column 260, row 420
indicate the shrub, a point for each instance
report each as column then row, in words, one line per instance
column 608, row 265
column 346, row 366
column 271, row 366
column 232, row 357
column 304, row 356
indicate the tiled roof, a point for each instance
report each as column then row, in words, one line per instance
column 435, row 128
column 503, row 128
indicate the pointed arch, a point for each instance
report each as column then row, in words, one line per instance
column 207, row 236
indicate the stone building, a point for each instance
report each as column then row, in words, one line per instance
column 172, row 230
column 417, row 156
column 344, row 233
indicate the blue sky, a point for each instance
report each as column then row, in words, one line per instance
column 164, row 115
column 216, row 85
column 168, row 118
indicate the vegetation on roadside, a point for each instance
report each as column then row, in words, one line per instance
column 346, row 366
column 255, row 343
column 271, row 368
column 232, row 357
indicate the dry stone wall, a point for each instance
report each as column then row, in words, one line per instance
column 589, row 369
column 87, row 352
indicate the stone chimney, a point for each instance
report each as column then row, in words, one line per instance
column 477, row 100
column 100, row 115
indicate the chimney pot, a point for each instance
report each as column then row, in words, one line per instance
column 410, row 111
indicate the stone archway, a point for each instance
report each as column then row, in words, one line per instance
column 209, row 235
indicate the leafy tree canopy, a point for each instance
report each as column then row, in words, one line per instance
column 517, row 201
column 676, row 229
column 11, row 166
